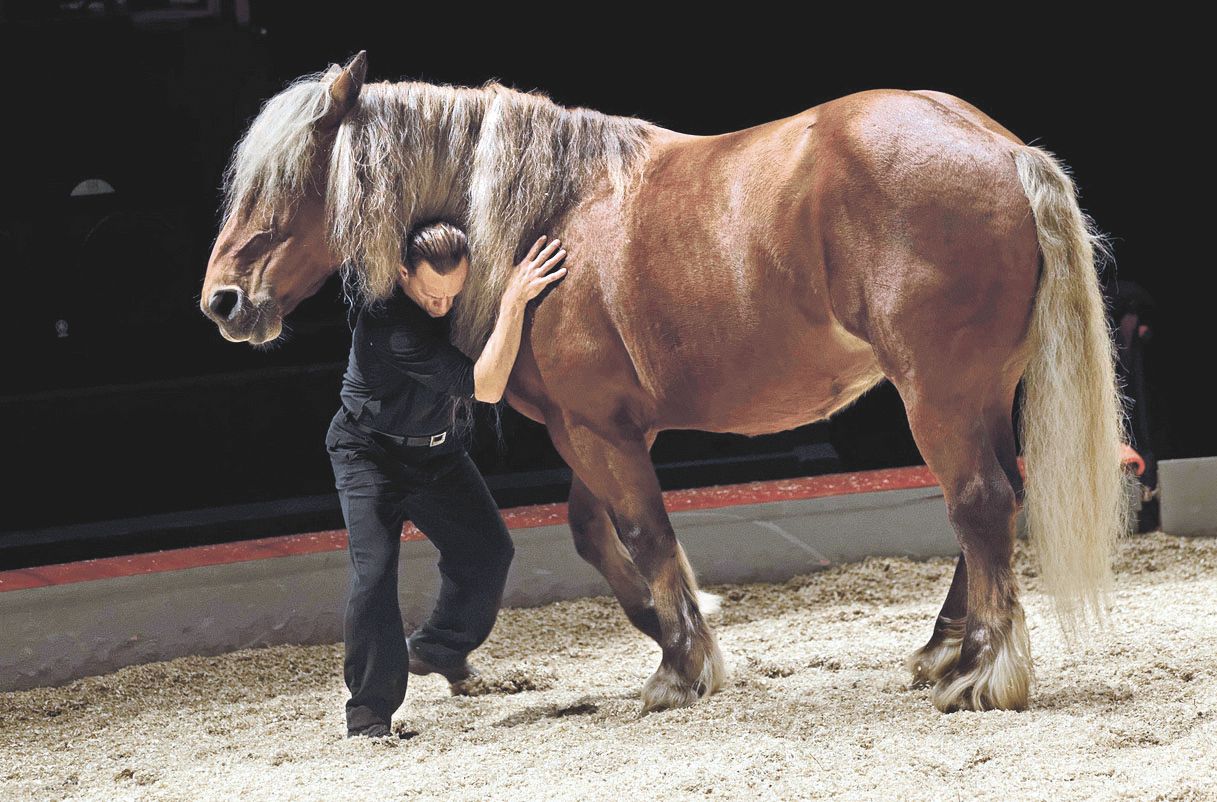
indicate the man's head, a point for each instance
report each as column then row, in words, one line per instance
column 434, row 266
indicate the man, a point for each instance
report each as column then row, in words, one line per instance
column 395, row 457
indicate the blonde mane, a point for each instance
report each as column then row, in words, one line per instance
column 272, row 161
column 496, row 161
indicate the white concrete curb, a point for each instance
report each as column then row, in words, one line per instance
column 1187, row 496
column 58, row 633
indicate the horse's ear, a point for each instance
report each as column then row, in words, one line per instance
column 345, row 89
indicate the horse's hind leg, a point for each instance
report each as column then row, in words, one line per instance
column 971, row 451
column 617, row 471
column 940, row 654
column 933, row 661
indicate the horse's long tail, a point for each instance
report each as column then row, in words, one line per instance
column 1072, row 413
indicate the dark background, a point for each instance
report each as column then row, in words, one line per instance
column 121, row 401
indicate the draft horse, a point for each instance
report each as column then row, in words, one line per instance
column 748, row 282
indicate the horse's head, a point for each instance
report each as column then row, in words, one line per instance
column 273, row 250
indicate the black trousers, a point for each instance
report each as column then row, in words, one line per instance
column 442, row 492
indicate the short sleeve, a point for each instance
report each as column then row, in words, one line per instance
column 427, row 359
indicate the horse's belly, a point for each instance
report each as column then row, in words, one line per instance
column 774, row 387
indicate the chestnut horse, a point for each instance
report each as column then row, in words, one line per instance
column 748, row 282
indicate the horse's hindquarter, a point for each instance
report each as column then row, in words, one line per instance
column 929, row 241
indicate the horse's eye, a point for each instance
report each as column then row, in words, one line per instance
column 259, row 240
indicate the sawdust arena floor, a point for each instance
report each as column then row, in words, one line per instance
column 817, row 707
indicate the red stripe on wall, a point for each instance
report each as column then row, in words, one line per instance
column 700, row 498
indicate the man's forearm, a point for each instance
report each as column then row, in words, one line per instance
column 492, row 368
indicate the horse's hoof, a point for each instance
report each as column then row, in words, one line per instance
column 999, row 678
column 980, row 689
column 666, row 689
column 935, row 660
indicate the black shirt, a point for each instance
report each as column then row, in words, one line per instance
column 403, row 375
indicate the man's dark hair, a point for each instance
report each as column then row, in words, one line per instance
column 440, row 243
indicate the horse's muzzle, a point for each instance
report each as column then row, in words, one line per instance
column 241, row 320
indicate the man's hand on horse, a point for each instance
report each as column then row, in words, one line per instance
column 533, row 274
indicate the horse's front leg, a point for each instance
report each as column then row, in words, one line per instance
column 596, row 542
column 616, row 468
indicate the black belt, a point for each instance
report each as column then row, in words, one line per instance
column 428, row 440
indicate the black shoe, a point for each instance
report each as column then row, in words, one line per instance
column 456, row 675
column 377, row 730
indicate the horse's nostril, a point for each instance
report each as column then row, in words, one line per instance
column 223, row 302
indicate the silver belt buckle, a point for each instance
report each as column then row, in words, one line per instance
column 436, row 439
